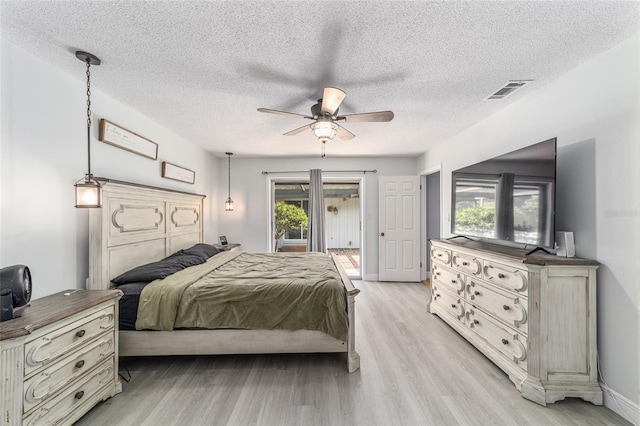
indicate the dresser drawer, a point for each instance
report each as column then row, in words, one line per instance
column 441, row 255
column 505, row 276
column 510, row 343
column 60, row 374
column 56, row 409
column 57, row 343
column 447, row 279
column 509, row 308
column 448, row 303
column 466, row 263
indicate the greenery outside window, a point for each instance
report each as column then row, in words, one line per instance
column 300, row 233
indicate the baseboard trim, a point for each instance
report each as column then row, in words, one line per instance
column 621, row 405
column 371, row 277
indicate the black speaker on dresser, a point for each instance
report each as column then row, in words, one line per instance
column 15, row 291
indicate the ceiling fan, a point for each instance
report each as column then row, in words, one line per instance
column 325, row 117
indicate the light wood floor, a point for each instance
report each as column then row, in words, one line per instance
column 415, row 370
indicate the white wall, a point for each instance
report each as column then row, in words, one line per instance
column 44, row 152
column 594, row 110
column 342, row 229
column 248, row 223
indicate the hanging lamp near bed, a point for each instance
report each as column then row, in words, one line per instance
column 88, row 191
column 228, row 204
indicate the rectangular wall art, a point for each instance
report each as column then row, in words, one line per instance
column 118, row 136
column 171, row 171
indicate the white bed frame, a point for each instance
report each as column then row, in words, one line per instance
column 138, row 224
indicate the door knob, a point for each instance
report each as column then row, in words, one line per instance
column 382, row 234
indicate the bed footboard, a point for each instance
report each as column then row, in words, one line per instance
column 353, row 358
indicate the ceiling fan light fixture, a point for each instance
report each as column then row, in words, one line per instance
column 325, row 130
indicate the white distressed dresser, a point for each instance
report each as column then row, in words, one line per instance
column 60, row 358
column 533, row 315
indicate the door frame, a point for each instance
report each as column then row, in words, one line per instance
column 342, row 177
column 424, row 252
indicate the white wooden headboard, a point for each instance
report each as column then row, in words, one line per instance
column 138, row 224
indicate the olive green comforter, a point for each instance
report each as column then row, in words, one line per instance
column 287, row 291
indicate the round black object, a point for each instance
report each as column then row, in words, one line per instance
column 17, row 279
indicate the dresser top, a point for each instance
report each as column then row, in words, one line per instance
column 517, row 254
column 49, row 309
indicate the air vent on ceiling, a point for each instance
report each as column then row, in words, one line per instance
column 508, row 89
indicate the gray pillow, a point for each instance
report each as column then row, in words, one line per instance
column 157, row 270
column 202, row 249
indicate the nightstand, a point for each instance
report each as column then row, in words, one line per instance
column 229, row 247
column 60, row 358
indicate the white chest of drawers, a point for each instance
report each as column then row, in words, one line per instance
column 60, row 358
column 534, row 316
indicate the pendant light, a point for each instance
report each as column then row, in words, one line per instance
column 228, row 204
column 88, row 191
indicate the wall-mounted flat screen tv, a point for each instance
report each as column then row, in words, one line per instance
column 508, row 198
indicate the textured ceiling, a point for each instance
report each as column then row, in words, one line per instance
column 202, row 68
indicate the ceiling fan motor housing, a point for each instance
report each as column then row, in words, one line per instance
column 316, row 110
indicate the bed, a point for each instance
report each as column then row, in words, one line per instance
column 140, row 224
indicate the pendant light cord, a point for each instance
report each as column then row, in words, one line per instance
column 229, row 170
column 88, row 116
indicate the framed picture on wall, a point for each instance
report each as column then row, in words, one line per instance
column 116, row 135
column 171, row 171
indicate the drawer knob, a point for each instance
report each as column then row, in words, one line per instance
column 501, row 275
column 505, row 307
column 79, row 395
column 477, row 293
column 80, row 364
column 476, row 322
column 465, row 263
column 439, row 254
column 453, row 305
column 505, row 342
column 454, row 281
column 80, row 333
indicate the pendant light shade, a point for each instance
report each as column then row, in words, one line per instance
column 88, row 190
column 88, row 193
column 228, row 204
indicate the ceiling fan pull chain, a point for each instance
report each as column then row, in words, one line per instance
column 323, row 147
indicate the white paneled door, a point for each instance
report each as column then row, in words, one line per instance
column 399, row 235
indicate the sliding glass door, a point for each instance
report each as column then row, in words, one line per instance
column 342, row 218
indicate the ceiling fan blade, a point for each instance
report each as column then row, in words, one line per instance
column 298, row 130
column 380, row 116
column 343, row 133
column 275, row 111
column 332, row 97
